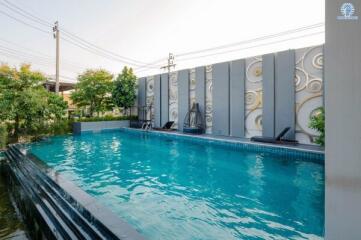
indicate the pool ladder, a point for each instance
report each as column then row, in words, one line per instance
column 147, row 126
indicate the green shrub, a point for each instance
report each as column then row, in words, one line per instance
column 61, row 127
column 106, row 118
column 3, row 136
column 317, row 122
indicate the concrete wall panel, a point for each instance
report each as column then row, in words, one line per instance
column 285, row 93
column 164, row 98
column 183, row 96
column 268, row 115
column 237, row 90
column 157, row 101
column 221, row 99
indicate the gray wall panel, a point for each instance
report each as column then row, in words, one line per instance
column 268, row 115
column 79, row 127
column 157, row 101
column 201, row 88
column 237, row 92
column 343, row 123
column 221, row 99
column 141, row 92
column 285, row 93
column 183, row 96
column 164, row 98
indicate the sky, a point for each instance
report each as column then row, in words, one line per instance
column 146, row 31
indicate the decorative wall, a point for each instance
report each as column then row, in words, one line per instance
column 309, row 90
column 246, row 78
column 150, row 96
column 209, row 109
column 173, row 98
column 253, row 97
column 192, row 87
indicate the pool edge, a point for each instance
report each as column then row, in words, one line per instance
column 289, row 151
column 99, row 218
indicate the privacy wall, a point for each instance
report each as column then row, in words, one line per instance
column 243, row 98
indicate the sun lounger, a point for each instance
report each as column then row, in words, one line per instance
column 166, row 127
column 279, row 139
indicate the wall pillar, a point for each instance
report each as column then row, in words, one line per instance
column 268, row 115
column 236, row 91
column 343, row 122
column 220, row 93
column 285, row 111
column 164, row 86
column 183, row 96
column 201, row 89
column 157, row 101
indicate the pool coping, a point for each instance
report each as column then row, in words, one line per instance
column 306, row 152
column 115, row 224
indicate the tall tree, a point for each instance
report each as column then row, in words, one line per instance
column 124, row 93
column 93, row 91
column 25, row 102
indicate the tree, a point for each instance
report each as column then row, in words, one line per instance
column 25, row 102
column 124, row 93
column 93, row 91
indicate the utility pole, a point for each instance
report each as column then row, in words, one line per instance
column 170, row 63
column 56, row 36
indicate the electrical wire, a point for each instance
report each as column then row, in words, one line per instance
column 64, row 60
column 94, row 49
column 288, row 32
column 80, row 41
column 114, row 55
column 259, row 45
column 25, row 23
column 45, row 59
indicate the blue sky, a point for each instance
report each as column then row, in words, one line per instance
column 147, row 30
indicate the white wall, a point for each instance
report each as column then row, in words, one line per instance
column 343, row 123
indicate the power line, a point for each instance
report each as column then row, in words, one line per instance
column 245, row 48
column 15, row 56
column 84, row 43
column 25, row 48
column 21, row 12
column 91, row 45
column 33, row 53
column 94, row 51
column 262, row 38
column 291, row 31
column 42, row 21
column 259, row 45
column 67, row 40
column 27, row 59
column 45, row 59
column 23, row 55
column 25, row 23
column 154, row 62
column 88, row 49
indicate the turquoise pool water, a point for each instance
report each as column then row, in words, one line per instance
column 174, row 189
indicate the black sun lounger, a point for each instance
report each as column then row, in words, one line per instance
column 277, row 139
column 166, row 126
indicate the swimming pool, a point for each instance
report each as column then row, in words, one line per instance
column 176, row 189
